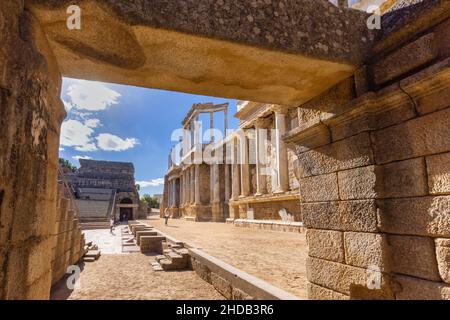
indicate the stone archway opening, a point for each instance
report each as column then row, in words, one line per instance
column 351, row 202
column 125, row 212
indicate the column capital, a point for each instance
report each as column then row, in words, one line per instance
column 276, row 108
column 261, row 123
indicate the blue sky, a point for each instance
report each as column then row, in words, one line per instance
column 124, row 123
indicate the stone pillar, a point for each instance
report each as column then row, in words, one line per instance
column 245, row 165
column 261, row 158
column 281, row 151
column 228, row 183
column 192, row 186
column 236, row 171
column 197, row 199
column 181, row 189
column 31, row 114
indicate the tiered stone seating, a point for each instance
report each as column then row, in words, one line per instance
column 69, row 242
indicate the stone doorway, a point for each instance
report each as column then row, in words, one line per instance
column 125, row 214
column 126, row 211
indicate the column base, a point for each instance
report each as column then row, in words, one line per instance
column 201, row 212
column 218, row 212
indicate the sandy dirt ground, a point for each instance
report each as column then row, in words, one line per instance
column 130, row 276
column 276, row 257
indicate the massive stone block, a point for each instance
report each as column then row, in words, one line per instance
column 414, row 256
column 345, row 154
column 438, row 167
column 319, row 188
column 30, row 117
column 443, row 258
column 341, row 215
column 366, row 250
column 417, row 289
column 217, row 48
column 406, row 59
column 347, row 280
column 422, row 136
column 424, row 216
column 325, row 244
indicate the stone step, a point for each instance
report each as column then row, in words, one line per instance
column 89, row 259
column 93, row 253
column 131, row 249
column 156, row 266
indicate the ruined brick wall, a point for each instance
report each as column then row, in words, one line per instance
column 374, row 178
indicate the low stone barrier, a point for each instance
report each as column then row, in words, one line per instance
column 152, row 244
column 140, row 234
column 233, row 283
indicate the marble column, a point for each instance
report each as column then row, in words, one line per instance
column 227, row 173
column 281, row 151
column 236, row 171
column 261, row 158
column 181, row 189
column 197, row 185
column 245, row 165
column 192, row 187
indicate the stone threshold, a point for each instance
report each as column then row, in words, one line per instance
column 273, row 225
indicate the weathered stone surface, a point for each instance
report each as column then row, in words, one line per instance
column 438, row 167
column 345, row 279
column 424, row 216
column 204, row 46
column 221, row 285
column 443, row 258
column 325, row 244
column 417, row 289
column 202, row 270
column 366, row 249
column 345, row 154
column 357, row 215
column 406, row 59
column 238, row 294
column 31, row 113
column 414, row 256
column 357, row 183
column 39, row 260
column 426, row 135
column 402, row 179
column 319, row 188
column 316, row 292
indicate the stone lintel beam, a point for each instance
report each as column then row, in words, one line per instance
column 279, row 51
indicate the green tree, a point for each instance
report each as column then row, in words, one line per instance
column 152, row 202
column 65, row 164
column 138, row 187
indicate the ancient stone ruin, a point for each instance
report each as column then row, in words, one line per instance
column 364, row 113
column 105, row 189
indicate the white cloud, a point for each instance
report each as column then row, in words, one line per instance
column 77, row 134
column 110, row 142
column 81, row 157
column 61, row 149
column 87, row 147
column 91, row 95
column 92, row 123
column 151, row 183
